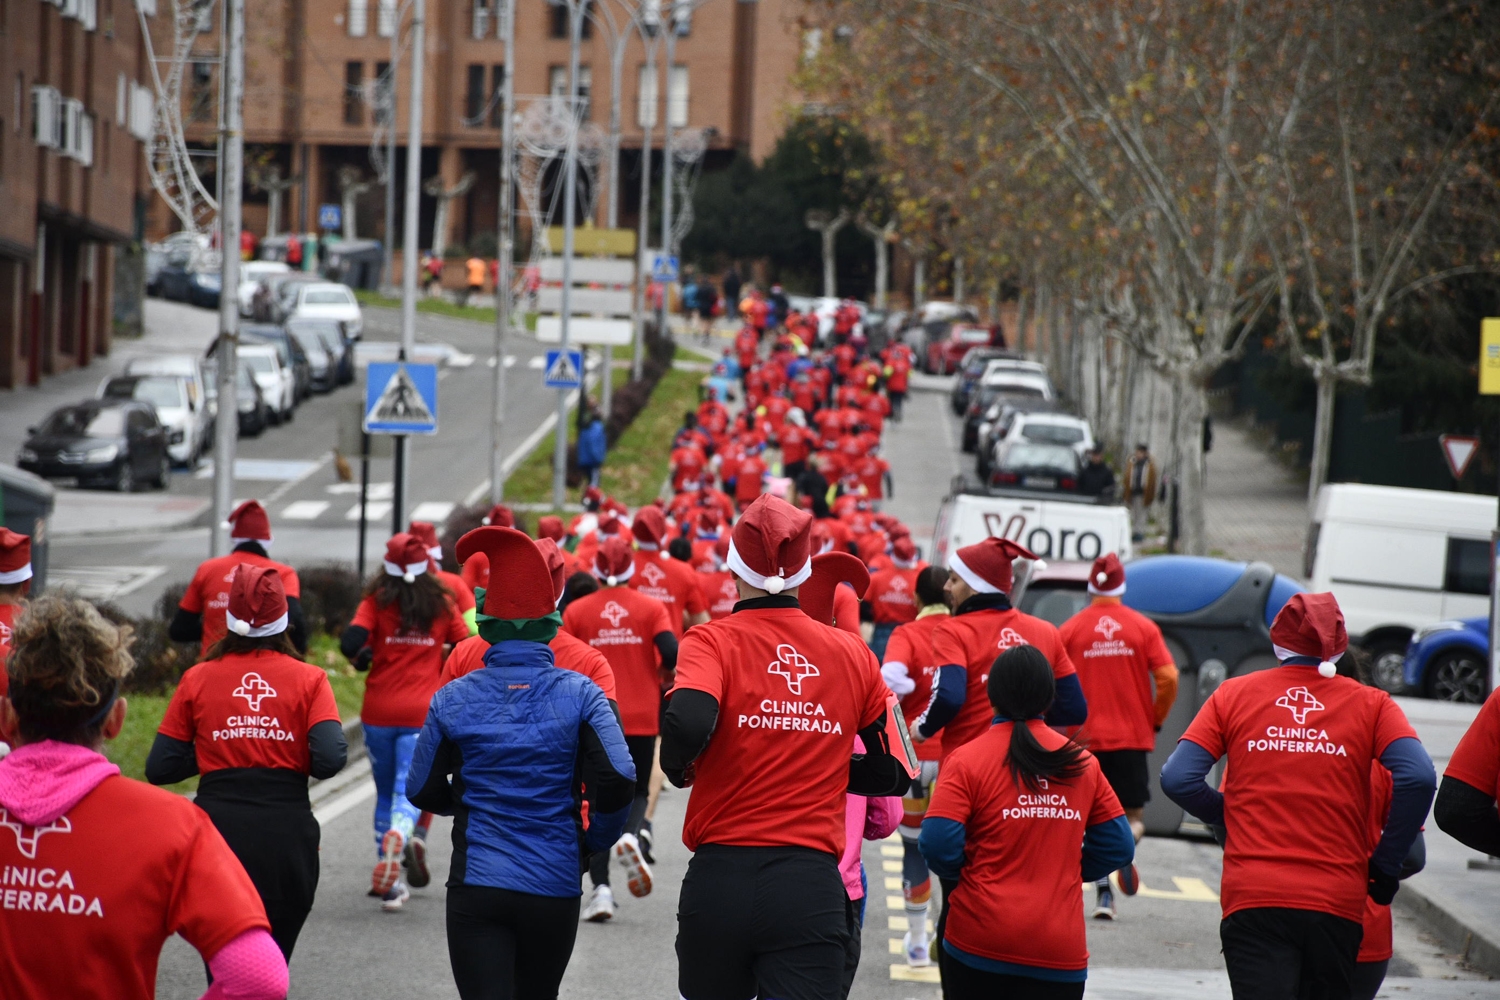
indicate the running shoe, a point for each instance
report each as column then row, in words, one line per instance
column 414, row 860
column 637, row 871
column 388, row 868
column 394, row 897
column 601, row 905
column 648, row 842
column 916, row 955
column 1129, row 879
column 1104, row 904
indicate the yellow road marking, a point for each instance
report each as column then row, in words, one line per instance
column 897, row 947
column 895, row 903
column 894, row 883
column 895, row 923
column 901, row 972
column 887, row 851
column 1189, row 890
column 890, row 866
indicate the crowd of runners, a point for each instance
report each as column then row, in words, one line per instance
column 765, row 635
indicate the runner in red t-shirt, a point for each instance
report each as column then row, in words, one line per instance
column 983, row 626
column 717, row 584
column 1296, row 802
column 660, row 577
column 1465, row 808
column 400, row 634
column 101, row 870
column 200, row 615
column 15, row 584
column 256, row 721
column 795, row 442
column 893, row 592
column 749, row 478
column 770, row 692
column 1119, row 653
column 1019, row 812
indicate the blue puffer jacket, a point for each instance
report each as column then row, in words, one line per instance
column 503, row 752
column 592, row 445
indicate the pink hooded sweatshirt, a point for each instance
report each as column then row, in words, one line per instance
column 866, row 817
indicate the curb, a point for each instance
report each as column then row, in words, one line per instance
column 1470, row 938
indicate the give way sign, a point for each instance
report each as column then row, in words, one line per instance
column 1459, row 452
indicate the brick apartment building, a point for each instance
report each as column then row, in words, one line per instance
column 72, row 176
column 311, row 68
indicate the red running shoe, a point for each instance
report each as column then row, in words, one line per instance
column 388, row 869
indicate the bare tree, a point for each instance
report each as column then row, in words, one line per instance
column 434, row 187
column 882, row 236
column 827, row 225
column 351, row 186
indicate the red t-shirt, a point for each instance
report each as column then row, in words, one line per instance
column 973, row 641
column 673, row 583
column 893, row 595
column 208, row 593
column 794, row 442
column 463, row 591
column 1115, row 649
column 911, row 646
column 407, row 665
column 1297, row 785
column 792, row 695
column 7, row 619
column 1377, row 945
column 568, row 653
column 871, row 472
column 747, row 478
column 1476, row 760
column 623, row 625
column 777, row 408
column 87, row 900
column 687, row 463
column 250, row 710
column 1018, row 898
column 846, row 610
column 719, row 593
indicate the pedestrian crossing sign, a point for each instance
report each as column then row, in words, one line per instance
column 401, row 398
column 564, row 370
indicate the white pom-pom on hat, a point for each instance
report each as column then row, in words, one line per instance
column 241, row 626
column 409, row 577
column 1039, row 566
column 1327, row 668
column 775, row 584
column 1099, row 578
column 611, row 581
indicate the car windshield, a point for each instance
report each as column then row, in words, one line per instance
column 1020, row 391
column 260, row 364
column 1030, row 455
column 1053, row 603
column 85, row 421
column 161, row 392
column 326, row 297
column 1052, row 433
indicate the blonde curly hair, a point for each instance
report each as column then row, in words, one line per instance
column 65, row 667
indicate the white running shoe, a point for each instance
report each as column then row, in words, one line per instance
column 392, row 900
column 637, row 872
column 1104, row 905
column 601, row 905
column 916, row 956
column 388, row 869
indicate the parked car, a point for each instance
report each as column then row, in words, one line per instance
column 252, row 274
column 186, row 422
column 996, row 424
column 331, row 335
column 322, row 360
column 277, row 383
column 185, row 366
column 108, row 442
column 288, row 349
column 1398, row 560
column 1032, row 465
column 278, row 292
column 1002, row 386
column 1450, row 660
column 156, row 259
column 970, row 369
column 946, row 352
column 252, row 413
column 326, row 300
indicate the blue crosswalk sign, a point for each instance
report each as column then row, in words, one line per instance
column 330, row 216
column 664, row 267
column 401, row 398
column 564, row 370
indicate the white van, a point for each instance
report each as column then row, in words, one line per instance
column 1398, row 559
column 1054, row 526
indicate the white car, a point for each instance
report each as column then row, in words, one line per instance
column 251, row 274
column 996, row 365
column 184, row 419
column 326, row 300
column 277, row 384
column 1052, row 428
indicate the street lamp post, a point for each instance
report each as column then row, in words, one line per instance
column 232, row 145
column 570, row 198
column 505, row 277
column 402, row 472
column 648, row 41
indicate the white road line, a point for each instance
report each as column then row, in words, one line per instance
column 286, row 488
column 304, row 510
column 433, row 511
column 510, row 361
column 103, row 583
column 539, row 362
column 374, row 511
column 345, row 801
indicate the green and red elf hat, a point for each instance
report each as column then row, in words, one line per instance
column 519, row 603
column 828, row 571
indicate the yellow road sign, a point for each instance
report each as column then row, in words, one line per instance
column 594, row 242
column 1489, row 357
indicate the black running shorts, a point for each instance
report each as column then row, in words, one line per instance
column 1127, row 774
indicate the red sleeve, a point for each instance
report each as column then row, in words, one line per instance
column 898, row 648
column 1207, row 729
column 952, row 798
column 214, row 901
column 192, row 598
column 457, row 628
column 602, row 674
column 365, row 615
column 321, row 706
column 1476, row 762
column 1390, row 722
column 1106, row 805
column 698, row 667
column 948, row 646
column 464, row 596
column 1157, row 653
column 663, row 619
column 289, row 581
column 177, row 723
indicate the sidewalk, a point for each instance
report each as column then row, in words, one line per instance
column 1255, row 509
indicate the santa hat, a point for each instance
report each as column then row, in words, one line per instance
column 500, row 516
column 771, row 545
column 257, row 602
column 609, row 523
column 592, row 497
column 427, row 532
column 550, row 526
column 649, row 528
column 904, row 552
column 248, row 523
column 1107, row 576
column 15, row 557
column 822, row 538
column 515, row 558
column 709, row 524
column 828, row 571
column 721, row 551
column 614, row 563
column 556, row 565
column 985, row 566
column 406, row 557
column 1310, row 629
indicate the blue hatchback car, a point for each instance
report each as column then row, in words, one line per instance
column 1449, row 660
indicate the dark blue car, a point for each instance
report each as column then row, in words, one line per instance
column 1449, row 660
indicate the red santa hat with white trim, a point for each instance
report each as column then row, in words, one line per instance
column 15, row 557
column 556, row 565
column 771, row 547
column 249, row 523
column 904, row 552
column 550, row 526
column 986, row 566
column 257, row 602
column 406, row 557
column 1310, row 628
column 427, row 532
column 614, row 563
column 649, row 528
column 1107, row 576
column 500, row 516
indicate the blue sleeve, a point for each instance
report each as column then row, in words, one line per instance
column 950, row 685
column 1184, row 780
column 1414, row 784
column 1069, row 708
column 1107, row 847
column 942, row 844
column 608, row 768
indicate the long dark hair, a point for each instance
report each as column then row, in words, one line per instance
column 233, row 642
column 420, row 602
column 1020, row 688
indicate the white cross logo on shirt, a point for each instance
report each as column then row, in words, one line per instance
column 653, row 574
column 793, row 666
column 1107, row 627
column 27, row 835
column 1010, row 637
column 1300, row 702
column 254, row 689
column 614, row 613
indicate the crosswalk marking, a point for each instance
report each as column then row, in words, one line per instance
column 895, row 923
column 895, row 902
column 890, row 866
column 432, row 511
column 305, row 510
column 887, row 851
column 901, row 972
column 374, row 511
column 897, row 948
column 892, row 883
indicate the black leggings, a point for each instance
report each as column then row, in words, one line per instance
column 643, row 753
column 506, row 945
column 964, row 982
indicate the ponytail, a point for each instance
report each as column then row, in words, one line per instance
column 1021, row 687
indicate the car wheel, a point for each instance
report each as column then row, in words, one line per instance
column 1460, row 675
column 125, row 478
column 163, row 473
column 1388, row 668
column 286, row 417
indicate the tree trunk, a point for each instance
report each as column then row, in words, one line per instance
column 1020, row 330
column 273, row 215
column 1322, row 447
column 919, row 282
column 1188, row 429
column 958, row 280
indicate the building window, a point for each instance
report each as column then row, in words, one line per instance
column 383, row 84
column 484, row 13
column 497, row 111
column 474, row 96
column 122, row 99
column 359, row 18
column 46, row 116
column 557, row 21
column 677, row 97
column 557, row 87
column 202, row 92
column 682, row 19
column 646, row 96
column 385, row 25
column 354, row 93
